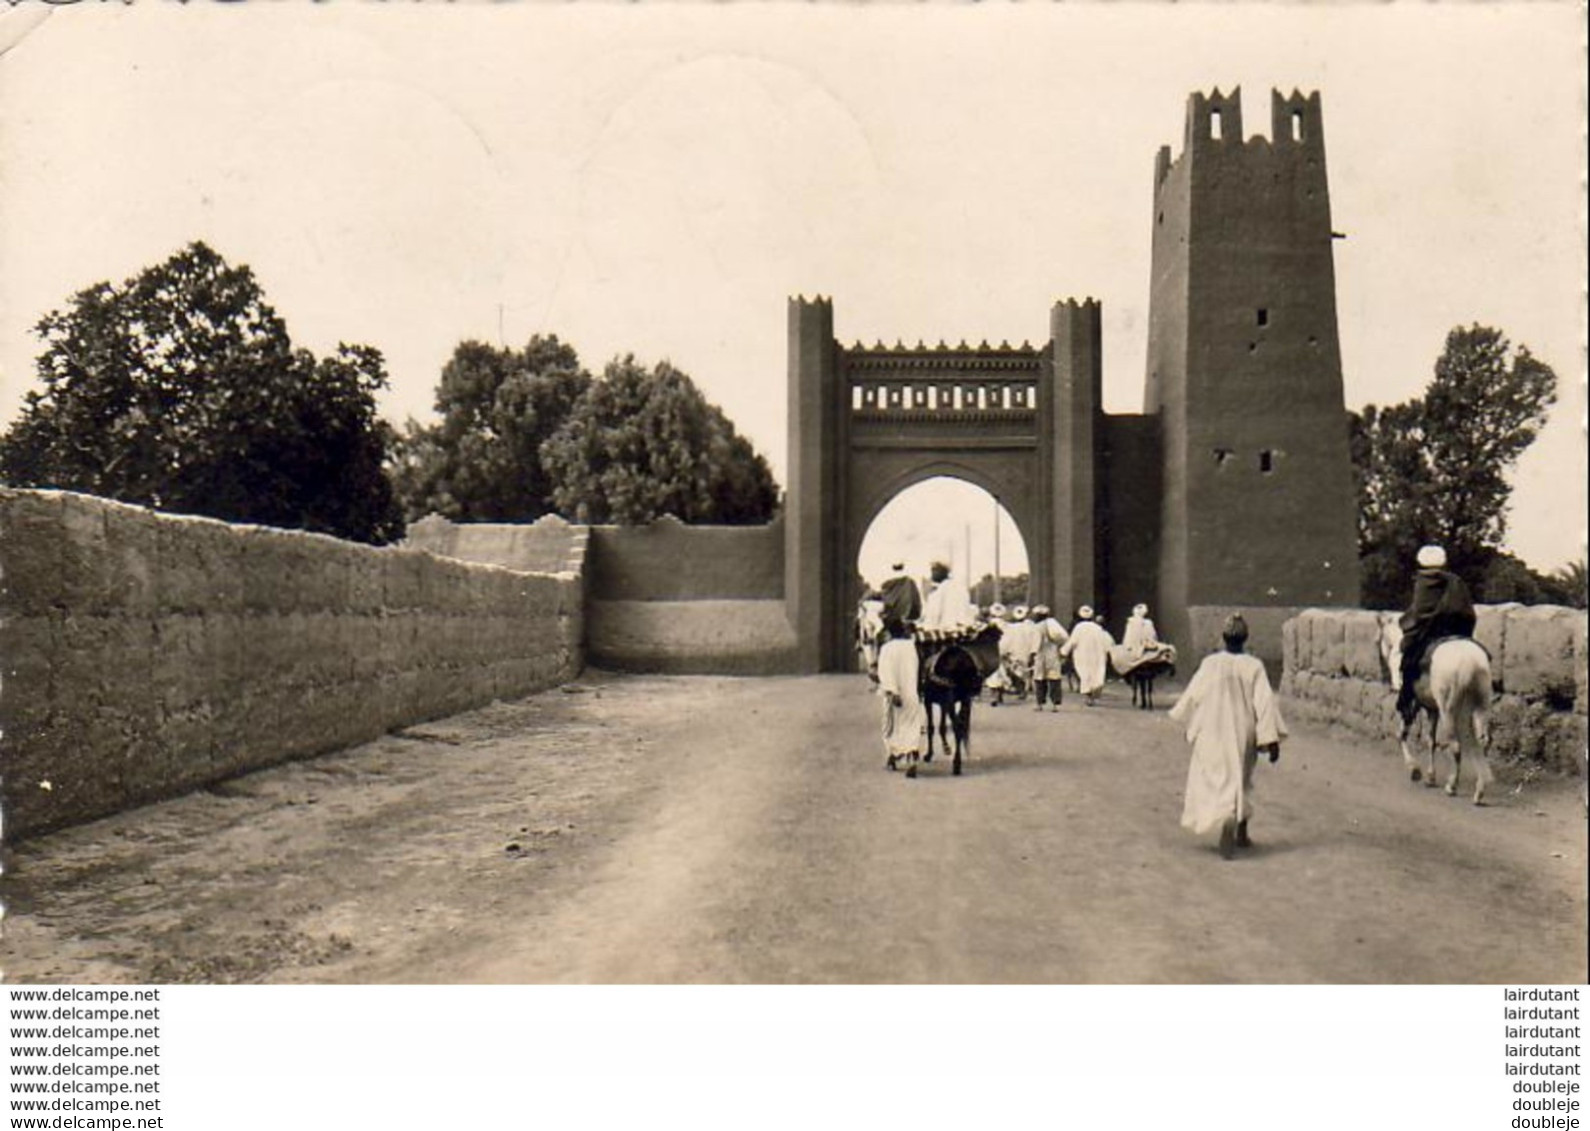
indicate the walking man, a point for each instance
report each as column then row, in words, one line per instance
column 1089, row 649
column 1230, row 714
column 904, row 719
column 1047, row 638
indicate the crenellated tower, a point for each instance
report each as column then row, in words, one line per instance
column 1233, row 490
column 1244, row 372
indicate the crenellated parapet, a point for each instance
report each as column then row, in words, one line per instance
column 978, row 356
column 1214, row 129
column 1295, row 119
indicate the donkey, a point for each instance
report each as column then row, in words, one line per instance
column 953, row 670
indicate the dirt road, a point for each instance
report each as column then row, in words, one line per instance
column 719, row 830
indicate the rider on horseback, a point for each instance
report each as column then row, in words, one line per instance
column 1441, row 607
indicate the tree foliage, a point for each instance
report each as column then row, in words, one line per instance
column 180, row 389
column 482, row 462
column 1571, row 583
column 1434, row 469
column 1012, row 590
column 645, row 443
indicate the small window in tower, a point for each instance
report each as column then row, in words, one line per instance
column 1214, row 124
column 1222, row 455
column 1297, row 125
column 1262, row 316
column 1266, row 461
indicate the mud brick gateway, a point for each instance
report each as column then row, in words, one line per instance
column 1233, row 489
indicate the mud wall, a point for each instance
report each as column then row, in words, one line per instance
column 548, row 545
column 679, row 637
column 143, row 655
column 667, row 597
column 667, row 560
column 1334, row 673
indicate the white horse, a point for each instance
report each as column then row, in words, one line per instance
column 1456, row 699
column 869, row 635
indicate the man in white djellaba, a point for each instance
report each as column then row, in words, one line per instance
column 1016, row 646
column 998, row 681
column 1089, row 649
column 950, row 603
column 904, row 718
column 1046, row 637
column 1230, row 714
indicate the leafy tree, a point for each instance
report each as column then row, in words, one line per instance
column 482, row 462
column 1434, row 469
column 1570, row 585
column 641, row 444
column 1012, row 590
column 181, row 390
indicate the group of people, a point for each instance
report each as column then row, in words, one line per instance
column 1034, row 648
column 1229, row 711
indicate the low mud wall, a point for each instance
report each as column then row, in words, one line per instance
column 143, row 655
column 1334, row 673
column 668, row 560
column 669, row 597
column 547, row 545
column 1265, row 627
column 692, row 637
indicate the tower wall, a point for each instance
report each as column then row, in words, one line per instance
column 1129, row 526
column 811, row 578
column 1070, row 419
column 1244, row 368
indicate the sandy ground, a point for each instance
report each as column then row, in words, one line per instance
column 694, row 829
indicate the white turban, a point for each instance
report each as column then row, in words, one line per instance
column 1139, row 610
column 1019, row 612
column 1432, row 557
column 996, row 610
column 1085, row 612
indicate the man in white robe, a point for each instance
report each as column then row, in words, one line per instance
column 998, row 681
column 1047, row 637
column 904, row 718
column 1016, row 645
column 1230, row 713
column 1089, row 649
column 950, row 603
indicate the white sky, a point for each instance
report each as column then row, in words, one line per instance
column 946, row 520
column 659, row 178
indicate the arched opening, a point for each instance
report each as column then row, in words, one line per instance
column 954, row 521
